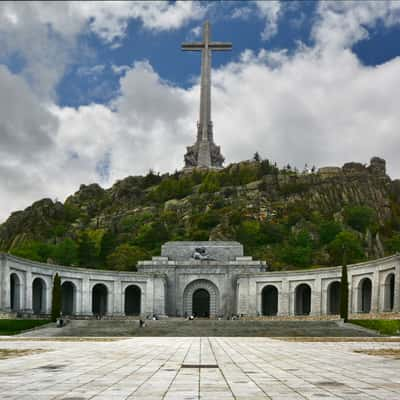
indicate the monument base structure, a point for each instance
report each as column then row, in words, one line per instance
column 208, row 279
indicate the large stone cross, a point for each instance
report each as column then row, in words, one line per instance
column 205, row 134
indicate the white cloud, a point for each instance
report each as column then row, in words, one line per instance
column 270, row 11
column 341, row 24
column 45, row 34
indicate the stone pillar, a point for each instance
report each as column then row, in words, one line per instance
column 78, row 298
column 49, row 294
column 243, row 295
column 396, row 305
column 86, row 308
column 118, row 307
column 252, row 299
column 316, row 297
column 149, row 297
column 375, row 292
column 6, row 287
column 284, row 298
column 28, row 292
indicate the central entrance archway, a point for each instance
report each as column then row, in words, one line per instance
column 201, row 297
column 201, row 303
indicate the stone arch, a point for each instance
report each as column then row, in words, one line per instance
column 15, row 292
column 303, row 299
column 365, row 295
column 99, row 299
column 207, row 286
column 389, row 293
column 269, row 300
column 133, row 295
column 68, row 298
column 333, row 305
column 39, row 296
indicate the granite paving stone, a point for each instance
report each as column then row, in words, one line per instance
column 207, row 368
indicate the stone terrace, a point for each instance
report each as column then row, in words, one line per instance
column 198, row 368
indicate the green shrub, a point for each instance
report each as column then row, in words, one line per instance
column 328, row 231
column 125, row 257
column 14, row 326
column 359, row 217
column 351, row 243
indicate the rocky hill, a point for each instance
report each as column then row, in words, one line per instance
column 290, row 218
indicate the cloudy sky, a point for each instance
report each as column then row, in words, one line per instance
column 94, row 92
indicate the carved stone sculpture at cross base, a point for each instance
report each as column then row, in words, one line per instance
column 205, row 153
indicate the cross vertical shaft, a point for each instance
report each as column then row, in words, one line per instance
column 205, row 153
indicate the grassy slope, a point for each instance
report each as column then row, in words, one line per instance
column 383, row 326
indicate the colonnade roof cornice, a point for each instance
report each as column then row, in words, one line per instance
column 318, row 271
column 86, row 271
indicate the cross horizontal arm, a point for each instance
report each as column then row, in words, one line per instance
column 220, row 46
column 192, row 46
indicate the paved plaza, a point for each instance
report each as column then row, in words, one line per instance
column 197, row 368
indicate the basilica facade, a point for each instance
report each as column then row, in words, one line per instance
column 207, row 279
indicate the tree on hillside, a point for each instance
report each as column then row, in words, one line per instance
column 125, row 257
column 66, row 252
column 107, row 245
column 360, row 217
column 56, row 298
column 87, row 252
column 350, row 241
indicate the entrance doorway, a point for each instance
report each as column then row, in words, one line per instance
column 99, row 299
column 201, row 303
column 365, row 292
column 38, row 296
column 269, row 300
column 303, row 300
column 67, row 298
column 132, row 300
column 334, row 298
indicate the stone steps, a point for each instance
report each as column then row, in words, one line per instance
column 179, row 328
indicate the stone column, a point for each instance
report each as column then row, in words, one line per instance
column 396, row 305
column 375, row 292
column 86, row 297
column 284, row 298
column 78, row 298
column 149, row 297
column 252, row 299
column 316, row 295
column 6, row 287
column 243, row 295
column 49, row 294
column 28, row 292
column 118, row 307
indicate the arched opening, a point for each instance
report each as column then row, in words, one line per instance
column 132, row 300
column 191, row 302
column 14, row 292
column 389, row 293
column 303, row 300
column 38, row 296
column 68, row 298
column 99, row 299
column 269, row 297
column 334, row 298
column 201, row 303
column 365, row 290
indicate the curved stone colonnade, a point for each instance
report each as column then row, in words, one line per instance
column 374, row 287
column 202, row 289
column 26, row 287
